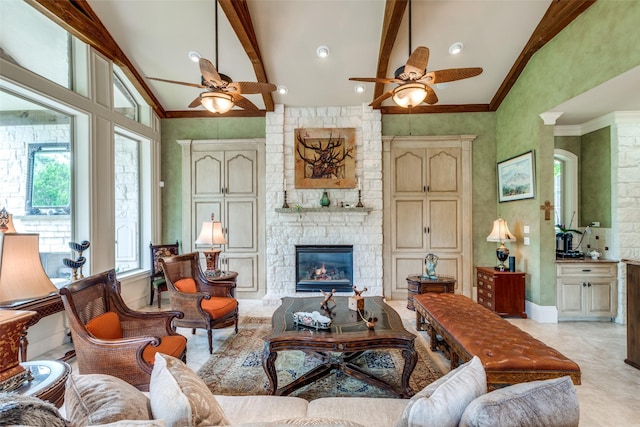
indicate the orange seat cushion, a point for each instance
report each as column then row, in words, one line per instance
column 106, row 326
column 186, row 285
column 173, row 345
column 218, row 307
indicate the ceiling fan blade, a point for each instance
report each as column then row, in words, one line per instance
column 209, row 72
column 452, row 74
column 195, row 103
column 431, row 98
column 176, row 82
column 378, row 101
column 417, row 63
column 252, row 87
column 243, row 102
column 375, row 80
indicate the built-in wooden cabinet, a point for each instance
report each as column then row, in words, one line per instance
column 633, row 313
column 587, row 290
column 221, row 177
column 427, row 201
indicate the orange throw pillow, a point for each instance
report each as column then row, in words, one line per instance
column 186, row 285
column 106, row 326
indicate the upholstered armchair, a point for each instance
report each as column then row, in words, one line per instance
column 110, row 338
column 206, row 305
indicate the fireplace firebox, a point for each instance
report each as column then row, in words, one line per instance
column 324, row 267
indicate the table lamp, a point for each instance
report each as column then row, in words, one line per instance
column 211, row 234
column 22, row 277
column 501, row 233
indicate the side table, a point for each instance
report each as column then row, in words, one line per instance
column 417, row 285
column 49, row 380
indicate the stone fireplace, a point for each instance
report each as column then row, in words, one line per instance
column 324, row 267
column 314, row 225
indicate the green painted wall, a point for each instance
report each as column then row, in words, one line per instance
column 484, row 164
column 599, row 45
column 171, row 173
column 568, row 143
column 595, row 178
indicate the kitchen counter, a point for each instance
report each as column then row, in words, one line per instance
column 583, row 260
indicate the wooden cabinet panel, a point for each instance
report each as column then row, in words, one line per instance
column 207, row 178
column 586, row 290
column 408, row 176
column 444, row 170
column 409, row 225
column 241, row 219
column 443, row 229
column 240, row 167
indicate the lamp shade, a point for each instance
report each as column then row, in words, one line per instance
column 211, row 234
column 409, row 94
column 216, row 102
column 22, row 276
column 500, row 232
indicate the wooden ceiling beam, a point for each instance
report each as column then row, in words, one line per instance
column 237, row 12
column 393, row 13
column 559, row 14
column 186, row 114
column 430, row 109
column 77, row 17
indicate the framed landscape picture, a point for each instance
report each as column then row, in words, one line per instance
column 516, row 178
column 325, row 157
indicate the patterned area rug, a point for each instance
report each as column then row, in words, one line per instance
column 236, row 368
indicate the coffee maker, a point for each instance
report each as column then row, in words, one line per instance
column 564, row 246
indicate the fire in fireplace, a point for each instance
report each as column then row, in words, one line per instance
column 324, row 267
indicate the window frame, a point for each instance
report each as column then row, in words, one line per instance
column 33, row 149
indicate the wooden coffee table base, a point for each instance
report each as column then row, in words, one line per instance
column 338, row 348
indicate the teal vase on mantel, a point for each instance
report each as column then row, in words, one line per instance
column 325, row 202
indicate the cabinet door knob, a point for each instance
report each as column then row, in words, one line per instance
column 584, row 285
column 586, row 270
column 589, row 284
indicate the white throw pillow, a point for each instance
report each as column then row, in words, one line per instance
column 180, row 397
column 443, row 402
column 536, row 404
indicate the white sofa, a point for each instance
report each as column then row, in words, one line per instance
column 179, row 398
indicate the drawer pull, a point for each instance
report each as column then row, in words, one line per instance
column 586, row 270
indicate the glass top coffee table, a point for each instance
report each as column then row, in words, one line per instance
column 347, row 339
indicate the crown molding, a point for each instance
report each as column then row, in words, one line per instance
column 610, row 119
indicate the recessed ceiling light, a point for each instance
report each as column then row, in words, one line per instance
column 194, row 56
column 455, row 48
column 282, row 90
column 442, row 86
column 322, row 51
column 360, row 88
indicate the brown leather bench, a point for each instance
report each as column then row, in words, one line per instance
column 463, row 329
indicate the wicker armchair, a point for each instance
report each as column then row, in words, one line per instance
column 206, row 305
column 110, row 338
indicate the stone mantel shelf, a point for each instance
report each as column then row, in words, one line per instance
column 294, row 210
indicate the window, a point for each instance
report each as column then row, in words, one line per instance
column 565, row 188
column 48, row 179
column 123, row 101
column 127, row 202
column 32, row 41
column 36, row 175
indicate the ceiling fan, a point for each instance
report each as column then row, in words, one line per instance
column 415, row 83
column 221, row 93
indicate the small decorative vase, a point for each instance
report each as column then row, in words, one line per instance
column 324, row 201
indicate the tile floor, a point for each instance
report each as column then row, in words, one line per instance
column 610, row 391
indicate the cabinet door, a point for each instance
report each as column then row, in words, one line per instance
column 246, row 265
column 444, row 233
column 570, row 297
column 240, row 173
column 600, row 297
column 444, row 171
column 241, row 225
column 408, row 172
column 409, row 225
column 207, row 174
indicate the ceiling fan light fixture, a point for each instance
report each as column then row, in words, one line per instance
column 282, row 90
column 456, row 48
column 217, row 102
column 409, row 95
column 360, row 88
column 194, row 56
column 323, row 51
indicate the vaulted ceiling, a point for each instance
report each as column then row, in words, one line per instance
column 276, row 40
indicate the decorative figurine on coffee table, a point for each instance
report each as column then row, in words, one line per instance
column 356, row 302
column 370, row 322
column 430, row 263
column 328, row 297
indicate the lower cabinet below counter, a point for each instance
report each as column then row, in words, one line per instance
column 587, row 290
